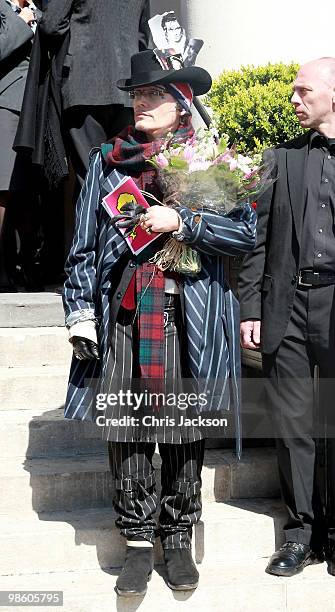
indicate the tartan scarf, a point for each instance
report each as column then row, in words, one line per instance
column 129, row 153
column 150, row 285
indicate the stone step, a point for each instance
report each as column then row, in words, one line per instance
column 31, row 310
column 84, row 481
column 55, row 484
column 225, row 589
column 25, row 428
column 46, row 433
column 33, row 388
column 79, row 539
column 23, row 433
column 229, row 583
column 33, row 346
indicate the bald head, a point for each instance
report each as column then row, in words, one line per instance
column 314, row 95
column 322, row 68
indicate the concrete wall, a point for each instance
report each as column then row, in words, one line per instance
column 240, row 32
column 161, row 6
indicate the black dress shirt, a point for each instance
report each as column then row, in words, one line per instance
column 318, row 235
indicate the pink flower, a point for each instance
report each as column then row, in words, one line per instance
column 249, row 175
column 161, row 160
column 198, row 165
column 226, row 157
column 233, row 165
column 189, row 153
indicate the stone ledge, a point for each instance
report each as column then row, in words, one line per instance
column 70, row 483
column 31, row 310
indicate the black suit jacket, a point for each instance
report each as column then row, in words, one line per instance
column 104, row 34
column 15, row 48
column 268, row 276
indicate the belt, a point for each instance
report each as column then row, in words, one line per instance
column 171, row 310
column 171, row 302
column 309, row 278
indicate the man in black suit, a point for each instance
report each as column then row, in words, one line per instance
column 286, row 290
column 103, row 37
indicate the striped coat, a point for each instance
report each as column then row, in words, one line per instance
column 211, row 310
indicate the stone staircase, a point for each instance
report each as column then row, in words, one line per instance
column 58, row 529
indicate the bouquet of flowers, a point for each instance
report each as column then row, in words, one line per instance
column 204, row 173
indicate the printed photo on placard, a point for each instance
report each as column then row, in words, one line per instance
column 169, row 59
column 169, row 35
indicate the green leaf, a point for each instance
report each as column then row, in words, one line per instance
column 222, row 145
column 178, row 163
column 252, row 106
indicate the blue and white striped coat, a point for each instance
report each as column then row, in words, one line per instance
column 211, row 310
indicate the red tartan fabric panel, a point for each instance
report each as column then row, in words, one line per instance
column 150, row 285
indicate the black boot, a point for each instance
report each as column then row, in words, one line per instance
column 290, row 559
column 331, row 564
column 136, row 571
column 330, row 556
column 181, row 570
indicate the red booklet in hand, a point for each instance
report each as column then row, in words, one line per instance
column 126, row 192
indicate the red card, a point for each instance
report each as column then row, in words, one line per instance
column 127, row 192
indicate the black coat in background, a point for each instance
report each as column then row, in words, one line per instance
column 104, row 34
column 40, row 127
column 268, row 277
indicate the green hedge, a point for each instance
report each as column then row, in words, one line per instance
column 252, row 105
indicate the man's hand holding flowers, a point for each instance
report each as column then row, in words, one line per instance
column 161, row 219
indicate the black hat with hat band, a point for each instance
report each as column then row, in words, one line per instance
column 146, row 70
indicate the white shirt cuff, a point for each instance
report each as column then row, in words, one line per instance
column 85, row 329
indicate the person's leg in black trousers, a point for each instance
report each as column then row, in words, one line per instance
column 181, row 492
column 135, row 498
column 289, row 374
column 299, row 422
column 180, row 509
column 135, row 501
column 290, row 392
column 8, row 250
column 26, row 209
column 322, row 336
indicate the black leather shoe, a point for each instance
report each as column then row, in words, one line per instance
column 290, row 559
column 331, row 566
column 330, row 558
column 181, row 570
column 136, row 572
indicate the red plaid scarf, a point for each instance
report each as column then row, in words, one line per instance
column 129, row 152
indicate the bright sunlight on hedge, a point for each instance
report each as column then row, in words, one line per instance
column 252, row 105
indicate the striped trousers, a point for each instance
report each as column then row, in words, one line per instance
column 136, row 498
column 122, row 370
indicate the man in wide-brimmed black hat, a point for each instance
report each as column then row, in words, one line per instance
column 129, row 320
